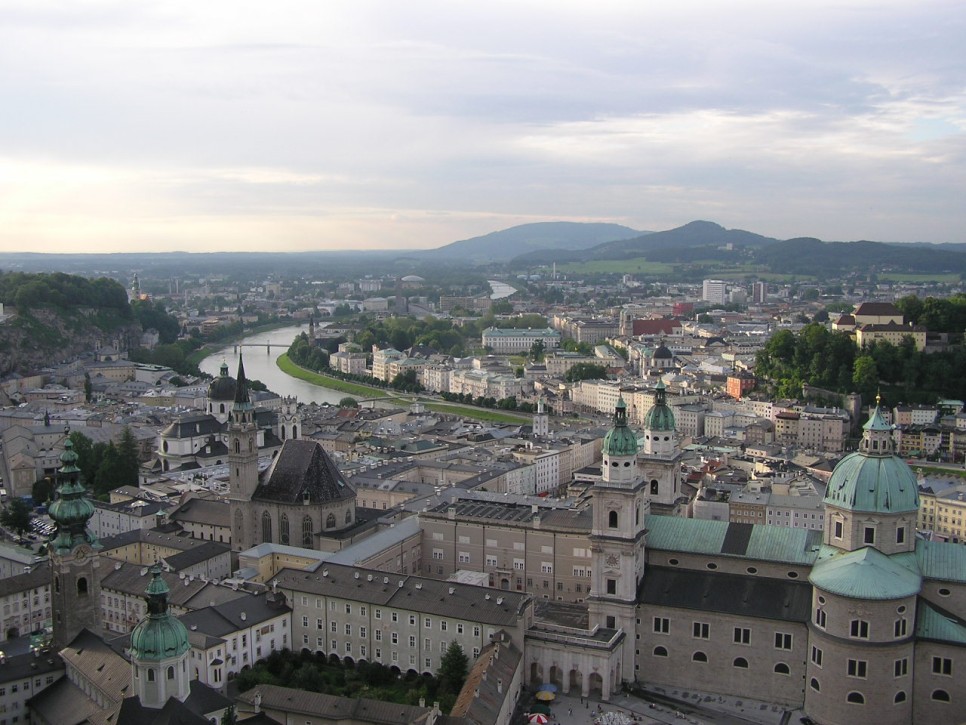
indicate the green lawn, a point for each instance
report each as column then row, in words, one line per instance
column 365, row 391
column 638, row 265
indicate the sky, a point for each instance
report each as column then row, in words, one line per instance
column 350, row 124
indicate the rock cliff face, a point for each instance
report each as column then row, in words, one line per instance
column 40, row 338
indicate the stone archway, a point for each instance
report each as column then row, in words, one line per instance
column 504, row 583
column 536, row 673
column 556, row 676
column 575, row 681
column 596, row 685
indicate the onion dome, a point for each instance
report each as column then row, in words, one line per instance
column 71, row 510
column 660, row 417
column 159, row 636
column 874, row 479
column 620, row 440
column 222, row 387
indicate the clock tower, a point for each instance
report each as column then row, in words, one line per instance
column 74, row 556
column 617, row 539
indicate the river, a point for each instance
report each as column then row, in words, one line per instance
column 260, row 365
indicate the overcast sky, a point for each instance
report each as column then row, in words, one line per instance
column 209, row 125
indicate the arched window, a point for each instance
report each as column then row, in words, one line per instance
column 699, row 656
column 151, row 675
column 82, row 587
column 170, row 673
column 782, row 669
column 222, row 407
column 164, row 446
column 307, row 531
column 237, row 446
column 940, row 696
column 660, row 651
column 348, row 516
column 637, row 515
column 295, row 431
column 741, row 662
column 815, row 686
column 612, row 519
column 330, row 521
column 283, row 432
column 266, row 527
column 239, row 525
column 251, row 444
column 283, row 529
column 856, row 698
column 900, row 697
column 655, row 487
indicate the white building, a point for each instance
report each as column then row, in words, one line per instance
column 714, row 291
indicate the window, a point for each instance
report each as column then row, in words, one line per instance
column 838, row 529
column 333, row 626
column 740, row 662
column 170, row 673
column 266, row 527
column 151, row 675
column 283, row 529
column 856, row 698
column 942, row 666
column 394, row 616
column 901, row 667
column 857, row 668
column 378, row 613
column 464, row 557
column 783, row 640
column 443, row 624
column 742, row 635
column 901, row 535
column 814, row 684
column 900, row 697
column 699, row 657
column 859, row 628
column 612, row 586
column 701, row 630
column 940, row 695
column 782, row 669
column 348, row 630
column 662, row 625
column 816, row 656
column 868, row 535
column 820, row 618
column 612, row 520
column 330, row 521
column 307, row 532
column 660, row 652
column 428, row 623
column 378, row 635
column 394, row 638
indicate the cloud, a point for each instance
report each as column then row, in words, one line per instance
column 415, row 124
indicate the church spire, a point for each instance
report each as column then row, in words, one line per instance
column 71, row 510
column 241, row 384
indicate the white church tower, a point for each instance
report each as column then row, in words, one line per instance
column 541, row 421
column 660, row 461
column 620, row 504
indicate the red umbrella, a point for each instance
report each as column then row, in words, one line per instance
column 539, row 719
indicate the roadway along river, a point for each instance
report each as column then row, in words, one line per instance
column 260, row 365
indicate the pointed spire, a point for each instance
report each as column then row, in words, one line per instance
column 241, row 383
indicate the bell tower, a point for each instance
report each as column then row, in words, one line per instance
column 617, row 539
column 159, row 650
column 74, row 555
column 242, row 462
column 660, row 460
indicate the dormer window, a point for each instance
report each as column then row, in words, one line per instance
column 868, row 535
column 901, row 535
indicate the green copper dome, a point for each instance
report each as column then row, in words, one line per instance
column 660, row 417
column 874, row 479
column 159, row 636
column 71, row 509
column 620, row 440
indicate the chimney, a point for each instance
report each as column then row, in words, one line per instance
column 499, row 686
column 422, row 702
column 244, row 616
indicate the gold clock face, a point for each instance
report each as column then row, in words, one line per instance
column 82, row 553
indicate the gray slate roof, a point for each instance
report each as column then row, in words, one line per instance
column 302, row 466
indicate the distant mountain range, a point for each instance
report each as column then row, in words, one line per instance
column 698, row 240
column 504, row 245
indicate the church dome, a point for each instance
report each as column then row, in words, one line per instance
column 660, row 417
column 620, row 440
column 159, row 636
column 874, row 479
column 222, row 387
column 662, row 353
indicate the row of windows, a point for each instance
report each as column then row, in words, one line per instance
column 427, row 623
column 868, row 533
column 740, row 635
column 857, row 698
column 781, row 668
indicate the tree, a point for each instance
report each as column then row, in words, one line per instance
column 88, row 388
column 229, row 717
column 453, row 668
column 348, row 402
column 865, row 374
column 585, row 371
column 43, row 490
column 16, row 516
column 537, row 350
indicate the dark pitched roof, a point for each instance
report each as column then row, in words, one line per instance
column 877, row 308
column 746, row 596
column 303, row 467
column 192, row 424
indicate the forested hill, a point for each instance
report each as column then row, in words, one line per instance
column 57, row 316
